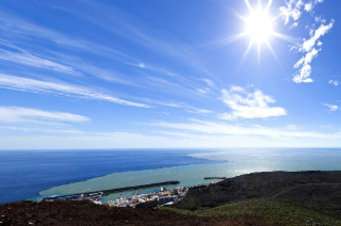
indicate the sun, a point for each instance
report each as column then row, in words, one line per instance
column 259, row 26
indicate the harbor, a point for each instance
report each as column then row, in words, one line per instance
column 96, row 195
column 156, row 199
column 160, row 196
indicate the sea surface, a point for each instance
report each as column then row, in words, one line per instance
column 32, row 175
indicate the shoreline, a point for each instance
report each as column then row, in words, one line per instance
column 297, row 159
column 29, row 183
column 266, row 198
column 96, row 195
column 116, row 180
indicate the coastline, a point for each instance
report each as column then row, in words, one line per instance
column 234, row 163
column 264, row 198
column 134, row 178
column 43, row 170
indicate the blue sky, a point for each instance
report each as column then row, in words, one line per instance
column 133, row 74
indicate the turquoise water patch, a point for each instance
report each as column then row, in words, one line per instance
column 241, row 161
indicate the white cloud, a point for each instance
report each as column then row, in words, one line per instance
column 248, row 104
column 303, row 75
column 292, row 10
column 30, row 120
column 308, row 6
column 195, row 134
column 331, row 107
column 317, row 34
column 305, row 60
column 166, row 103
column 305, row 71
column 41, row 130
column 204, row 111
column 280, row 138
column 210, row 83
column 88, row 140
column 311, row 48
column 131, row 140
column 199, row 111
column 33, row 85
column 200, row 128
column 203, row 91
column 334, row 82
column 295, row 24
column 21, row 114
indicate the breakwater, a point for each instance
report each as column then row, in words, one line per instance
column 106, row 192
column 212, row 178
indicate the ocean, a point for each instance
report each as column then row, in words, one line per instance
column 32, row 175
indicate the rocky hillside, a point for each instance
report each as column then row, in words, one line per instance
column 255, row 185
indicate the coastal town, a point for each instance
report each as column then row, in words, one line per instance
column 160, row 197
column 163, row 197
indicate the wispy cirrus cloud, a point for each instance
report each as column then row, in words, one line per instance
column 59, row 62
column 85, row 67
column 35, row 61
column 199, row 128
column 72, row 65
column 14, row 26
column 209, row 83
column 14, row 114
column 331, row 107
column 249, row 105
column 158, row 80
column 120, row 23
column 200, row 111
column 28, row 120
column 31, row 129
column 33, row 85
column 195, row 134
column 168, row 86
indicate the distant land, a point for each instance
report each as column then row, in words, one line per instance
column 265, row 198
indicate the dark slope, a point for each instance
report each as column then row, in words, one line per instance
column 275, row 198
column 320, row 197
column 255, row 185
column 271, row 198
column 305, row 204
column 85, row 213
